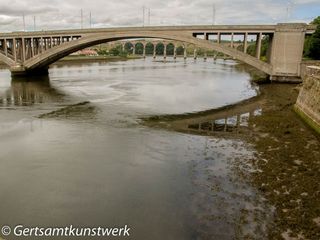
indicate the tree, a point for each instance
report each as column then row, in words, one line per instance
column 316, row 21
column 314, row 51
column 312, row 43
column 117, row 51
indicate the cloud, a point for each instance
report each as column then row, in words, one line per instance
column 65, row 14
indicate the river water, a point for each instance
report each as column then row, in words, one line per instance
column 73, row 150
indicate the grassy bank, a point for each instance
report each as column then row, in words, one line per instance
column 72, row 58
column 97, row 58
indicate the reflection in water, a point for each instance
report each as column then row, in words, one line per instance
column 80, row 166
column 26, row 92
column 228, row 124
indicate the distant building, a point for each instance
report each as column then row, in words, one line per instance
column 86, row 52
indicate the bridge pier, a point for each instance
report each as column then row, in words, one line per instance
column 286, row 52
column 154, row 53
column 134, row 50
column 245, row 42
column 20, row 71
column 144, row 51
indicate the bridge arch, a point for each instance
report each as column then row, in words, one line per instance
column 139, row 47
column 149, row 48
column 52, row 55
column 129, row 46
column 170, row 48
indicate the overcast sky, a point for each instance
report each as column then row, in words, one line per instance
column 63, row 14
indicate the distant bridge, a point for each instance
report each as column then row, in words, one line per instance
column 131, row 45
column 33, row 52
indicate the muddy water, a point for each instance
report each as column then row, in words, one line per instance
column 73, row 151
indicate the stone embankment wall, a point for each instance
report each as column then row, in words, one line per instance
column 308, row 102
column 305, row 64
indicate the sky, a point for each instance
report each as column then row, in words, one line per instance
column 66, row 14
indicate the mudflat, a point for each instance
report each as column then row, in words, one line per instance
column 286, row 166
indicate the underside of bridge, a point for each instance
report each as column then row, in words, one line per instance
column 32, row 53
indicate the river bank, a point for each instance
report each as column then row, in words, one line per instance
column 88, row 59
column 286, row 166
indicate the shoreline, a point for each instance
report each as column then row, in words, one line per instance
column 286, row 165
column 80, row 59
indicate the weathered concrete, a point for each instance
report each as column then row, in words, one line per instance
column 308, row 102
column 28, row 52
column 287, row 50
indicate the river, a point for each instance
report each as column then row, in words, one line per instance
column 73, row 150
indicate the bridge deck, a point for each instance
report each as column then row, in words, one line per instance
column 193, row 28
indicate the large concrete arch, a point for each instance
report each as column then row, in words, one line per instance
column 50, row 56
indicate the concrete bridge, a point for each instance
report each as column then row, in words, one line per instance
column 32, row 52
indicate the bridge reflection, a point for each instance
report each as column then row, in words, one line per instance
column 27, row 92
column 234, row 123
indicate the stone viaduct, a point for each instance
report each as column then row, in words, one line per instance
column 32, row 52
column 175, row 44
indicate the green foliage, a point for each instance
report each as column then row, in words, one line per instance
column 312, row 43
column 314, row 51
column 149, row 48
column 139, row 48
column 159, row 49
column 117, row 51
column 316, row 21
column 102, row 51
column 251, row 50
column 180, row 50
column 306, row 48
column 264, row 48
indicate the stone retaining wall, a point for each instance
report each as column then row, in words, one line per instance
column 304, row 64
column 308, row 102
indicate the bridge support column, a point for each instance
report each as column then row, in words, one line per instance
column 154, row 51
column 23, row 50
column 185, row 52
column 206, row 36
column 32, row 46
column 164, row 51
column 144, row 51
column 175, row 52
column 5, row 47
column 14, row 48
column 258, row 45
column 245, row 42
column 195, row 54
column 286, row 53
column 41, row 45
column 231, row 44
column 134, row 50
